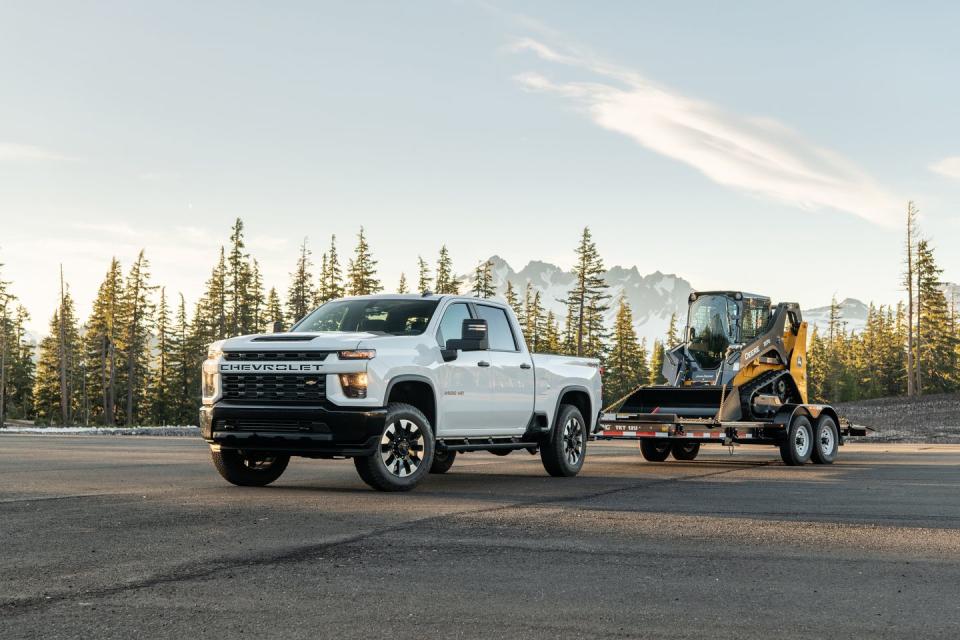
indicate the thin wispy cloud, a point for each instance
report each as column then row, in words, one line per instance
column 949, row 167
column 757, row 155
column 14, row 152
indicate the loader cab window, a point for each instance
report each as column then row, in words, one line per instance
column 713, row 320
column 756, row 315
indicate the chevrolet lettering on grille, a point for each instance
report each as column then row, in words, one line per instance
column 271, row 367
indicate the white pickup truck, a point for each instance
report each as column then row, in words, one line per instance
column 399, row 383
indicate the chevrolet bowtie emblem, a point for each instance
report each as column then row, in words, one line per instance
column 310, row 382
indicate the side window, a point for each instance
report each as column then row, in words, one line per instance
column 498, row 328
column 451, row 326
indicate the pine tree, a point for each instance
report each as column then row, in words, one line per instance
column 586, row 302
column 446, row 282
column 100, row 340
column 243, row 293
column 533, row 320
column 626, row 366
column 273, row 312
column 163, row 388
column 423, row 275
column 183, row 364
column 331, row 275
column 936, row 343
column 483, row 280
column 656, row 363
column 510, row 295
column 673, row 335
column 57, row 389
column 402, row 285
column 300, row 294
column 362, row 272
column 551, row 334
column 909, row 276
column 16, row 360
column 136, row 313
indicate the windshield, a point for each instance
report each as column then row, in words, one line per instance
column 713, row 320
column 385, row 317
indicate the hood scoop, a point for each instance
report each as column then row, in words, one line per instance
column 283, row 338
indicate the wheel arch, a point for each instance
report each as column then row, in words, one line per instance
column 416, row 391
column 578, row 396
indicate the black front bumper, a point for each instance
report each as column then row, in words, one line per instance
column 312, row 431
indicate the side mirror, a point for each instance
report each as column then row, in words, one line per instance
column 473, row 338
column 278, row 326
column 691, row 334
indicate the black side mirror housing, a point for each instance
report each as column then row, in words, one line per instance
column 473, row 338
column 278, row 326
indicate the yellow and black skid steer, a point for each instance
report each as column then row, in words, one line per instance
column 738, row 377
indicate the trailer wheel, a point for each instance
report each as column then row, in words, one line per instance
column 685, row 450
column 826, row 441
column 654, row 450
column 442, row 461
column 563, row 452
column 249, row 468
column 796, row 449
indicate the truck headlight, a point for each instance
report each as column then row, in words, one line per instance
column 215, row 350
column 354, row 384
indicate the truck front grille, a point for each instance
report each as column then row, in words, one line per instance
column 286, row 388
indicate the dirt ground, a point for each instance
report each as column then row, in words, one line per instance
column 933, row 418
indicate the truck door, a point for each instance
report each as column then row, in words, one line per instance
column 465, row 384
column 513, row 375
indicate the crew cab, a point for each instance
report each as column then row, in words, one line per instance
column 401, row 384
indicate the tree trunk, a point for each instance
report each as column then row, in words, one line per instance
column 910, row 362
column 3, row 364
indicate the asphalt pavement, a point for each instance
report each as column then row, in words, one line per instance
column 124, row 537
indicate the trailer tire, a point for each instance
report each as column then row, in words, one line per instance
column 248, row 469
column 653, row 450
column 562, row 453
column 404, row 454
column 442, row 461
column 797, row 447
column 685, row 450
column 826, row 441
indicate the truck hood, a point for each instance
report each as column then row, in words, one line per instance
column 326, row 341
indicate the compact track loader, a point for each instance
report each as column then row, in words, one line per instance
column 739, row 377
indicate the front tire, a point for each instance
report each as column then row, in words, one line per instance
column 653, row 450
column 799, row 444
column 826, row 441
column 563, row 453
column 685, row 450
column 404, row 454
column 248, row 469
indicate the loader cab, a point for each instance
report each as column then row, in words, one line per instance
column 718, row 320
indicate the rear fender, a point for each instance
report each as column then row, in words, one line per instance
column 812, row 412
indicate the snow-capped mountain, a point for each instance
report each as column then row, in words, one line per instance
column 652, row 297
column 853, row 314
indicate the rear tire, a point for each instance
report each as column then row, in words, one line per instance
column 826, row 441
column 442, row 461
column 563, row 453
column 799, row 444
column 685, row 450
column 404, row 454
column 653, row 450
column 248, row 469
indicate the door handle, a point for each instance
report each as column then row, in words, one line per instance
column 526, row 365
column 483, row 363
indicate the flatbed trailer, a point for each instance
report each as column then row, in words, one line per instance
column 802, row 432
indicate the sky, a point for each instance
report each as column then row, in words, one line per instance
column 757, row 146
